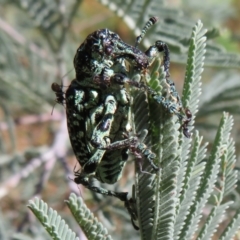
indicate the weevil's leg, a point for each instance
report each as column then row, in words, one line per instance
column 172, row 107
column 148, row 24
column 139, row 149
column 91, row 123
column 162, row 47
column 100, row 137
column 177, row 106
column 121, row 144
column 151, row 53
column 173, row 93
column 159, row 47
column 82, row 178
column 101, row 132
column 143, row 150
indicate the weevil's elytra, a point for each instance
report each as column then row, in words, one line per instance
column 98, row 105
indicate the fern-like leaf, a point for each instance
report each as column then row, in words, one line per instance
column 212, row 222
column 229, row 174
column 228, row 178
column 93, row 229
column 191, row 89
column 191, row 169
column 232, row 228
column 52, row 222
column 208, row 179
column 194, row 170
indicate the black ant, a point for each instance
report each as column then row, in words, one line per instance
column 186, row 122
column 57, row 88
column 60, row 95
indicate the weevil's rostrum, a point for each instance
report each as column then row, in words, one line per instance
column 98, row 106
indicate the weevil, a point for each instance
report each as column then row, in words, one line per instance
column 98, row 106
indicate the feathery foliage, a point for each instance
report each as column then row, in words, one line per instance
column 52, row 222
column 89, row 224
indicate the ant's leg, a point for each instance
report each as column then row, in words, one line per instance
column 100, row 136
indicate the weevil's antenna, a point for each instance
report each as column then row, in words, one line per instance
column 148, row 24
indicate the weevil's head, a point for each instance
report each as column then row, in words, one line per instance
column 108, row 45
